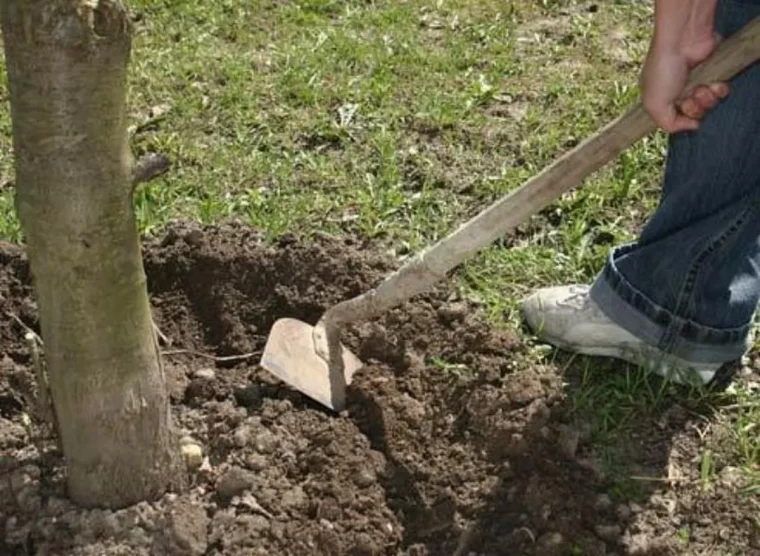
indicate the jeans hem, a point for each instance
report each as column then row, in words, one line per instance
column 632, row 310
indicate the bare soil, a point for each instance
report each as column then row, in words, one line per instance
column 451, row 445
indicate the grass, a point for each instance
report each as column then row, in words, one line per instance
column 396, row 121
column 620, row 406
column 744, row 429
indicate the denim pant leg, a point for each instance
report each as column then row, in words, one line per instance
column 690, row 284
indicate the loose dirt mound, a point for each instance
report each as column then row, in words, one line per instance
column 449, row 445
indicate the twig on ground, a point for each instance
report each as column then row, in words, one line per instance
column 219, row 359
column 250, row 501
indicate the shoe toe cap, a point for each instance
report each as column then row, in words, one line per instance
column 531, row 311
column 550, row 311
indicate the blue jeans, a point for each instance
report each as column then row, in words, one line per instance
column 690, row 283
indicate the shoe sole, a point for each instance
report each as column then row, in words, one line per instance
column 628, row 355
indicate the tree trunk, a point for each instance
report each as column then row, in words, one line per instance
column 67, row 65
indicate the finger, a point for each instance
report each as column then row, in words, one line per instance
column 691, row 108
column 705, row 97
column 684, row 123
column 668, row 119
column 719, row 89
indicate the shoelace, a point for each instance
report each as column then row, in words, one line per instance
column 572, row 299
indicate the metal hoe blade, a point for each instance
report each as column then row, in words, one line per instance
column 291, row 356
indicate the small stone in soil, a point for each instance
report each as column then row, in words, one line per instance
column 193, row 455
column 205, row 374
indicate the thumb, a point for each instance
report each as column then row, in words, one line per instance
column 673, row 121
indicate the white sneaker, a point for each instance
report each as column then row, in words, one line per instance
column 568, row 318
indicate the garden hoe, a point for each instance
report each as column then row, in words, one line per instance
column 312, row 359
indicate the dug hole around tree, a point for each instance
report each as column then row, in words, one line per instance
column 450, row 442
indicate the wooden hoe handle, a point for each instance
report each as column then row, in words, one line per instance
column 428, row 267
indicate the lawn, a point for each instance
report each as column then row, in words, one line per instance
column 392, row 122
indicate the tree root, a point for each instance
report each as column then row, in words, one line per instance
column 42, row 402
column 217, row 358
column 163, row 338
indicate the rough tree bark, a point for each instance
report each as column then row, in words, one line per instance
column 67, row 66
